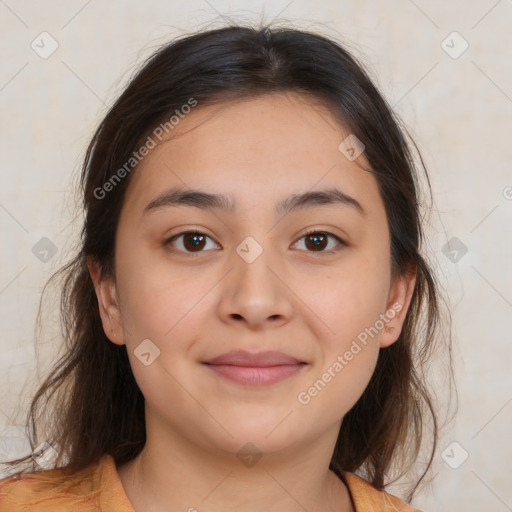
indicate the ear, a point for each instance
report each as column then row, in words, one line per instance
column 106, row 293
column 399, row 300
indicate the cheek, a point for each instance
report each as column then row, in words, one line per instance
column 349, row 301
column 347, row 351
column 157, row 297
column 345, row 368
column 334, row 392
column 347, row 298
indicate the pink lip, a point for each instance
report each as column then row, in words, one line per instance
column 259, row 369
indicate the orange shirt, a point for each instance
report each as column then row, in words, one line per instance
column 99, row 489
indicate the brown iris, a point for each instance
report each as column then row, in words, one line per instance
column 197, row 241
column 318, row 241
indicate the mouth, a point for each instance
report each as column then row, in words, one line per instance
column 255, row 369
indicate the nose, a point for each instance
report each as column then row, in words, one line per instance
column 255, row 290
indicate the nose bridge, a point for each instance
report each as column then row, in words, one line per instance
column 253, row 259
column 256, row 293
column 250, row 249
column 258, row 243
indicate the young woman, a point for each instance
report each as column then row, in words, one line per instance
column 243, row 316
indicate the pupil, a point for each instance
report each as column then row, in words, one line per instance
column 194, row 239
column 317, row 240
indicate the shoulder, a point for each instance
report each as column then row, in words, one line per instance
column 53, row 490
column 367, row 498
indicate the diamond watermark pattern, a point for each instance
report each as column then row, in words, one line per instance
column 44, row 250
column 249, row 249
column 44, row 45
column 454, row 455
column 249, row 455
column 454, row 45
column 454, row 249
column 146, row 352
column 351, row 147
column 45, row 455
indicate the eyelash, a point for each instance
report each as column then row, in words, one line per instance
column 341, row 245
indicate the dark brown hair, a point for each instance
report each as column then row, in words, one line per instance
column 97, row 406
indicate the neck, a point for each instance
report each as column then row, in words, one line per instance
column 175, row 474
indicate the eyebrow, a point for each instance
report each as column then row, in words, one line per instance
column 207, row 201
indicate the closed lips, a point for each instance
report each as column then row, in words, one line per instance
column 255, row 370
column 259, row 359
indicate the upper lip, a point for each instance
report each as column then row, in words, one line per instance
column 258, row 359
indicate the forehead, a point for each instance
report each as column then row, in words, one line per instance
column 265, row 147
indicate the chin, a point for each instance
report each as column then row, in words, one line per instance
column 269, row 433
column 254, row 443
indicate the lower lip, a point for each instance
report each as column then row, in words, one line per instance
column 256, row 376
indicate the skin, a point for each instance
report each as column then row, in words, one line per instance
column 197, row 305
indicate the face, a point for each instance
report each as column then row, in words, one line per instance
column 195, row 280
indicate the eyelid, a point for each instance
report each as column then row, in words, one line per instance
column 341, row 242
column 187, row 232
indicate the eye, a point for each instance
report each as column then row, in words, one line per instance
column 193, row 241
column 317, row 241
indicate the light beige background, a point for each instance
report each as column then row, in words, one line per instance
column 458, row 109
